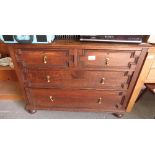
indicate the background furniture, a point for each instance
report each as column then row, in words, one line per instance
column 9, row 85
column 147, row 77
column 151, row 75
column 70, row 75
column 150, row 80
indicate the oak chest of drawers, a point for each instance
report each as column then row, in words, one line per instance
column 69, row 75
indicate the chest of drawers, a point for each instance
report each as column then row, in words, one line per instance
column 69, row 75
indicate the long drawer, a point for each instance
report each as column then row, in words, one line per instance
column 77, row 79
column 56, row 98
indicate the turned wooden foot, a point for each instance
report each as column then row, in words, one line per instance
column 119, row 115
column 31, row 111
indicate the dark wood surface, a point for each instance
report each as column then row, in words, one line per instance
column 92, row 99
column 4, row 49
column 76, row 79
column 43, row 57
column 78, row 76
column 107, row 58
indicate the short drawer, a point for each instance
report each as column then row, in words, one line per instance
column 56, row 98
column 108, row 58
column 78, row 79
column 44, row 58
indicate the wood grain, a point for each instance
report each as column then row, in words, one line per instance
column 77, row 79
column 91, row 99
column 151, row 76
column 7, row 75
column 10, row 91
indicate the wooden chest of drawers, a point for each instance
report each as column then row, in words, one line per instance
column 69, row 75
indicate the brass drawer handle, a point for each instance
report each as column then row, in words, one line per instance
column 107, row 61
column 102, row 80
column 45, row 59
column 48, row 78
column 100, row 100
column 51, row 98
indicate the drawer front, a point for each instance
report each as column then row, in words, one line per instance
column 108, row 58
column 44, row 58
column 56, row 98
column 78, row 79
column 151, row 76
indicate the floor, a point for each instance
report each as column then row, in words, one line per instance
column 144, row 109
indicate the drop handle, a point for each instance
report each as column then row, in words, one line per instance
column 102, row 80
column 100, row 100
column 107, row 61
column 48, row 78
column 51, row 98
column 45, row 59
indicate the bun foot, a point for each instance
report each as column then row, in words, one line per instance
column 119, row 115
column 31, row 111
